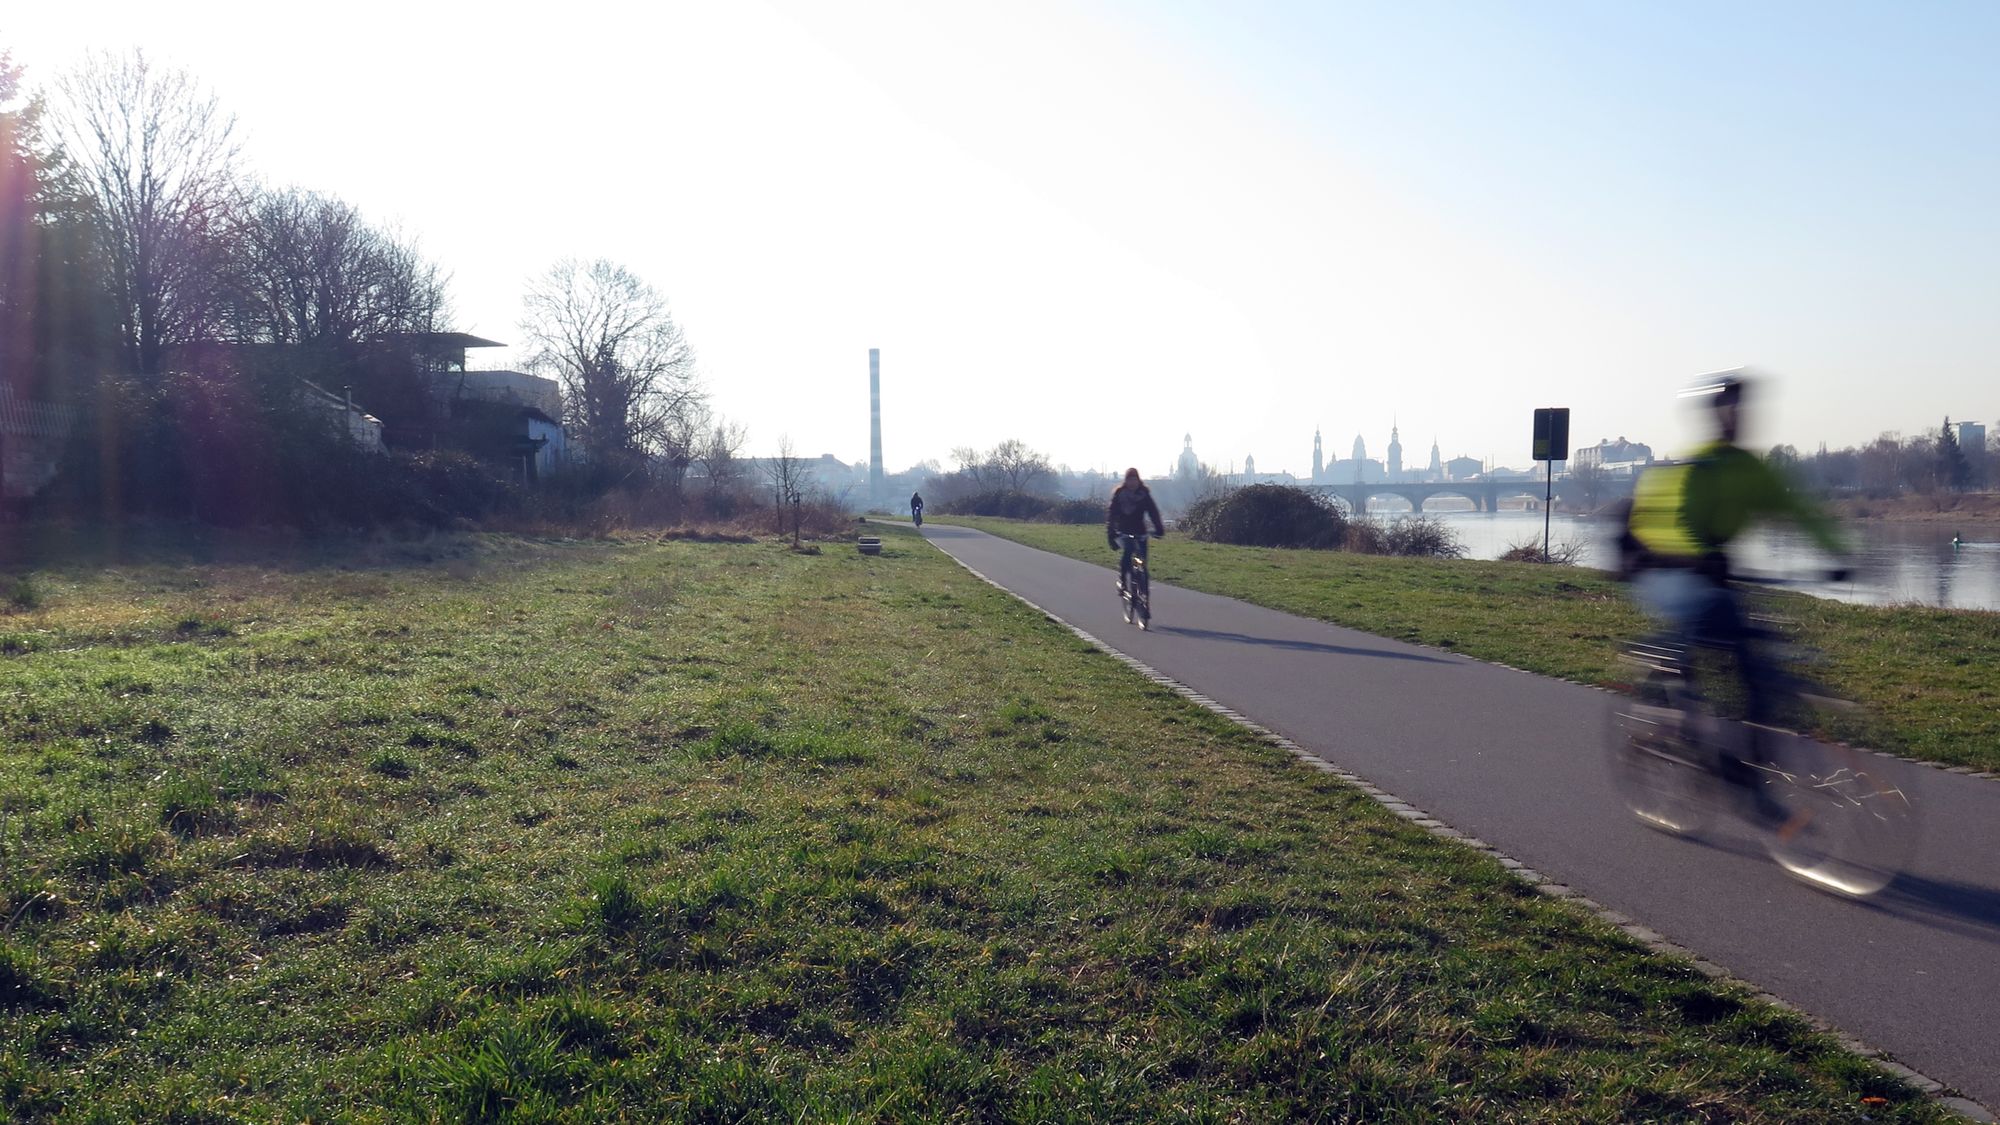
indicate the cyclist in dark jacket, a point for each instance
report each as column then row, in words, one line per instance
column 1125, row 522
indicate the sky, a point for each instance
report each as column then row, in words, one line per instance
column 1101, row 226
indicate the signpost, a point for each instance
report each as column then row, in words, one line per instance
column 1551, row 445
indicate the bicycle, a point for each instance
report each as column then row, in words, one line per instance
column 1834, row 817
column 1135, row 590
column 917, row 516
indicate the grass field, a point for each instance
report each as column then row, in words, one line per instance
column 1929, row 678
column 491, row 829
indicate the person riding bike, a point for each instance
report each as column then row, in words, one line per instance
column 917, row 507
column 1675, row 552
column 1125, row 522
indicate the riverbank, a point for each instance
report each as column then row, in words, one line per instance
column 1980, row 509
column 588, row 831
column 1928, row 679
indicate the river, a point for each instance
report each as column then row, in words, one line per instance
column 1895, row 563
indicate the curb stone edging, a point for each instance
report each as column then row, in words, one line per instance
column 1542, row 884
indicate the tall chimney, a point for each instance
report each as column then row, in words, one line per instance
column 875, row 426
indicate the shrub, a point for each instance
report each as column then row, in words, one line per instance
column 1423, row 537
column 1003, row 503
column 1267, row 515
column 22, row 594
column 1075, row 511
column 1366, row 537
column 1414, row 537
column 1567, row 553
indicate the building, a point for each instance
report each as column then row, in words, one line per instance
column 1972, row 437
column 1620, row 457
column 1395, row 452
column 1187, row 466
column 496, row 414
column 361, row 427
column 1435, row 471
column 1462, row 468
column 1319, row 463
column 441, row 355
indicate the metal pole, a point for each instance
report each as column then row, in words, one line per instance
column 1548, row 495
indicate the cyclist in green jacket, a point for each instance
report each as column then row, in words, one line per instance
column 1677, row 538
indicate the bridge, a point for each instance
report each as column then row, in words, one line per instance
column 1485, row 495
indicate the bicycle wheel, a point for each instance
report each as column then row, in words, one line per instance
column 1850, row 827
column 1142, row 597
column 1655, row 770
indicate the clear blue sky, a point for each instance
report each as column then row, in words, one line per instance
column 1098, row 226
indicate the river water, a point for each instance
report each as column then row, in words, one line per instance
column 1894, row 563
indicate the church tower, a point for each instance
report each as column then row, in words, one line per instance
column 1437, row 462
column 1319, row 464
column 1395, row 453
column 1250, row 466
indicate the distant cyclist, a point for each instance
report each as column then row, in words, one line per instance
column 917, row 508
column 1676, row 546
column 1125, row 522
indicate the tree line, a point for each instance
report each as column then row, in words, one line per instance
column 1923, row 463
column 174, row 308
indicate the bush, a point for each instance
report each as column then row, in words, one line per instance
column 22, row 594
column 1415, row 537
column 1267, row 515
column 1005, row 504
column 1366, row 537
column 1423, row 537
column 1567, row 553
column 1075, row 511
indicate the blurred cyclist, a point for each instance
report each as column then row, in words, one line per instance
column 917, row 508
column 1676, row 544
column 1125, row 522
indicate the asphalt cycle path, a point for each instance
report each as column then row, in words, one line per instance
column 1520, row 761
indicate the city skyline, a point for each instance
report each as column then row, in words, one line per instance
column 1253, row 211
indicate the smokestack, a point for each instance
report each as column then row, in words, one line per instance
column 875, row 425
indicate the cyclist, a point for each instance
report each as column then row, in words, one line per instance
column 1125, row 522
column 917, row 508
column 1675, row 551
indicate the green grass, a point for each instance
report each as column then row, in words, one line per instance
column 579, row 832
column 1929, row 679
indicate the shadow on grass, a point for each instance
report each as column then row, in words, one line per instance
column 1300, row 646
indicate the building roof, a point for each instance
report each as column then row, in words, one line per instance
column 450, row 339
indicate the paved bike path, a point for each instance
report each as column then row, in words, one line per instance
column 1518, row 760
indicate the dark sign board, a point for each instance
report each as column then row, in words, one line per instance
column 1552, row 433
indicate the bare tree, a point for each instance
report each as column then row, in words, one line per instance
column 788, row 477
column 1016, row 468
column 628, row 374
column 971, row 465
column 718, row 457
column 309, row 270
column 156, row 152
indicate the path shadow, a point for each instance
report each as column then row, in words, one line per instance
column 1967, row 909
column 1947, row 904
column 1299, row 646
